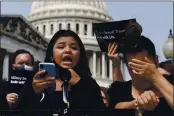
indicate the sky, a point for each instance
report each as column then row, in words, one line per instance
column 156, row 18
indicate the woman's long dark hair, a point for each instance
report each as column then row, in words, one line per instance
column 82, row 67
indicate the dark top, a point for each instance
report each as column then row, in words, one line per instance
column 3, row 87
column 7, row 87
column 121, row 92
column 85, row 94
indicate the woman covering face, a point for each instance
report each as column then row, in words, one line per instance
column 148, row 92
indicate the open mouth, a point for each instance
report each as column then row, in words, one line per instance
column 67, row 60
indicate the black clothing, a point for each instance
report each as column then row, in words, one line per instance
column 3, row 88
column 85, row 94
column 121, row 92
column 6, row 87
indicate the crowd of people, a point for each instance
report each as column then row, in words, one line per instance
column 149, row 92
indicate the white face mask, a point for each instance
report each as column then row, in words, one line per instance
column 28, row 68
column 25, row 67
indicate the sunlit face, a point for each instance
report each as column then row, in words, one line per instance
column 139, row 56
column 23, row 59
column 66, row 52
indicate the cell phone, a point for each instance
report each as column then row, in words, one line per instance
column 49, row 67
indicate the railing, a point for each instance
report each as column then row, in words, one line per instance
column 61, row 112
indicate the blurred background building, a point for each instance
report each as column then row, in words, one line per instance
column 17, row 33
column 78, row 16
column 47, row 17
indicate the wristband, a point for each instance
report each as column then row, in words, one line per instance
column 138, row 112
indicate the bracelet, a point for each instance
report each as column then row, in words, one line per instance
column 138, row 111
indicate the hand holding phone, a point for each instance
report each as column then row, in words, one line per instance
column 47, row 78
column 41, row 84
column 49, row 67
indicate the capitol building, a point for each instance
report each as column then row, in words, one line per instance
column 47, row 17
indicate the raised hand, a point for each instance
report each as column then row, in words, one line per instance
column 145, row 68
column 112, row 48
column 39, row 84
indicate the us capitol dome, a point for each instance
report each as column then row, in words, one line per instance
column 50, row 16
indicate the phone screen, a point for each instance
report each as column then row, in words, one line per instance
column 49, row 67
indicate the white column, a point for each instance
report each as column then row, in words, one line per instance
column 64, row 25
column 90, row 62
column 125, row 72
column 5, row 67
column 73, row 26
column 123, row 69
column 94, row 64
column 55, row 26
column 98, row 66
column 110, row 70
column 89, row 29
column 103, row 66
column 81, row 28
column 40, row 26
column 47, row 32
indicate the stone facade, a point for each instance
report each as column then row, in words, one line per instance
column 17, row 33
column 47, row 17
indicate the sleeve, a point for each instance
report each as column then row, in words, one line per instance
column 28, row 99
column 88, row 94
column 118, row 92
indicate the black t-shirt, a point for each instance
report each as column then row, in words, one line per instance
column 121, row 92
column 84, row 95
